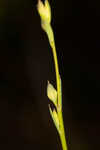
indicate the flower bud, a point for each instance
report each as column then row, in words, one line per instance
column 52, row 93
column 44, row 11
column 55, row 118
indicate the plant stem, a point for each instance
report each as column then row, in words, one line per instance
column 56, row 68
column 45, row 15
column 62, row 133
column 58, row 82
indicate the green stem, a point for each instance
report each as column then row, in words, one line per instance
column 56, row 70
column 45, row 15
column 62, row 133
column 58, row 82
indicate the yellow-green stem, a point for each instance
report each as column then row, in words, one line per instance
column 56, row 70
column 62, row 131
column 45, row 15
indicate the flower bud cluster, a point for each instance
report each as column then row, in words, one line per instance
column 44, row 11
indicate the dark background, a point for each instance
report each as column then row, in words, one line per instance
column 26, row 64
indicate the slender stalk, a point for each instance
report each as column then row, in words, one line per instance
column 62, row 131
column 62, row 134
column 56, row 68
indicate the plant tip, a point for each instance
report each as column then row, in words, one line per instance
column 44, row 11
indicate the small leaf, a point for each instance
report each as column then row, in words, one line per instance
column 54, row 116
column 52, row 93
